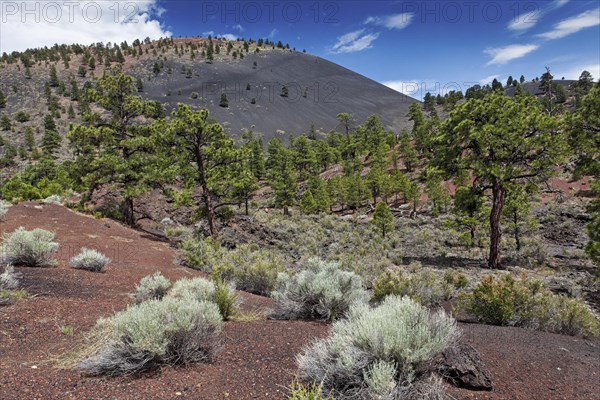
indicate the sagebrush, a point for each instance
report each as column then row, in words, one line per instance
column 151, row 287
column 33, row 248
column 322, row 291
column 89, row 260
column 153, row 333
column 382, row 352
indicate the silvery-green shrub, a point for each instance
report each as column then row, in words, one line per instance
column 153, row 333
column 323, row 291
column 380, row 352
column 33, row 248
column 90, row 260
column 151, row 287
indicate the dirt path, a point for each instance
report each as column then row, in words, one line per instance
column 257, row 358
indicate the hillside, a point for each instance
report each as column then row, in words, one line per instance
column 174, row 71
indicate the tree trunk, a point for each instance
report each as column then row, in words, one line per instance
column 127, row 211
column 210, row 213
column 498, row 193
column 517, row 232
column 246, row 205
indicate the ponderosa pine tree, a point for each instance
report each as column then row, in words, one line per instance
column 2, row 100
column 383, row 219
column 500, row 141
column 206, row 156
column 53, row 79
column 115, row 148
column 408, row 152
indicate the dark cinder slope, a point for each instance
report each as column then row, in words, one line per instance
column 330, row 89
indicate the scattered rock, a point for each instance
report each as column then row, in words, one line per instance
column 463, row 367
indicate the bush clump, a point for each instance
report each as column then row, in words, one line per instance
column 201, row 289
column 90, row 260
column 422, row 286
column 323, row 291
column 29, row 248
column 151, row 287
column 312, row 392
column 3, row 208
column 252, row 269
column 153, row 333
column 511, row 302
column 383, row 352
column 9, row 279
column 201, row 254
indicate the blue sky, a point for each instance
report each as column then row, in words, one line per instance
column 408, row 45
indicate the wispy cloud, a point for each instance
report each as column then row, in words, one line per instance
column 238, row 28
column 354, row 41
column 525, row 21
column 273, row 33
column 529, row 19
column 502, row 55
column 229, row 36
column 488, row 79
column 574, row 71
column 394, row 21
column 574, row 24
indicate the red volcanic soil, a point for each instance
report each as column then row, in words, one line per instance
column 257, row 358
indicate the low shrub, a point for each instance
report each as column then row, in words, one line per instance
column 512, row 302
column 323, row 291
column 29, row 248
column 9, row 279
column 3, row 208
column 53, row 199
column 201, row 289
column 252, row 269
column 151, row 287
column 456, row 279
column 383, row 352
column 423, row 286
column 90, row 260
column 312, row 392
column 200, row 254
column 155, row 332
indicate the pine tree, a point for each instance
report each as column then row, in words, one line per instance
column 209, row 159
column 92, row 63
column 2, row 100
column 224, row 102
column 115, row 148
column 29, row 139
column 81, row 71
column 71, row 112
column 383, row 219
column 284, row 91
column 515, row 140
column 53, row 81
column 308, row 204
column 318, row 189
column 522, row 79
column 5, row 123
column 408, row 152
column 139, row 85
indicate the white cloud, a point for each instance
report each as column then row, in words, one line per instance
column 238, row 28
column 525, row 21
column 574, row 72
column 354, row 41
column 228, row 36
column 488, row 79
column 415, row 88
column 572, row 25
column 273, row 33
column 394, row 21
column 502, row 55
column 48, row 22
column 209, row 33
